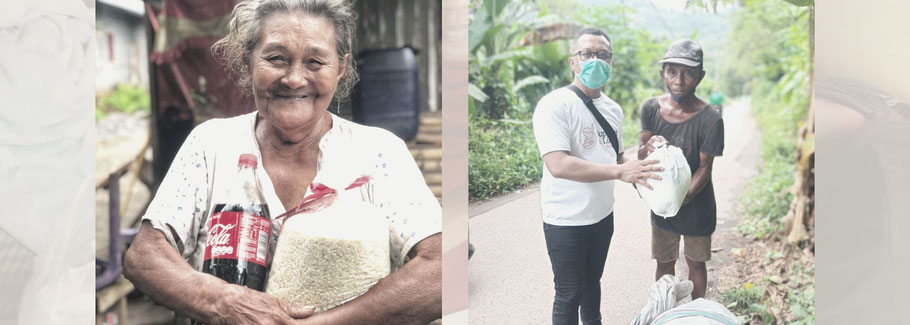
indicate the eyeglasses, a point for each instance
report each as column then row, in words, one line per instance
column 671, row 73
column 587, row 55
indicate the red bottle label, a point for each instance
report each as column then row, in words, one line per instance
column 239, row 236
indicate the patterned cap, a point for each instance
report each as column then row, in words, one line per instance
column 685, row 52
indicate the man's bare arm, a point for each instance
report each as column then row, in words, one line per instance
column 562, row 165
column 700, row 177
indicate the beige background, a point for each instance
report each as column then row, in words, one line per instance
column 862, row 254
column 867, row 41
column 455, row 161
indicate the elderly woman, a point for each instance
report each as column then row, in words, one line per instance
column 293, row 57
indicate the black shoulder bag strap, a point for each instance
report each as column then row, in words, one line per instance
column 600, row 118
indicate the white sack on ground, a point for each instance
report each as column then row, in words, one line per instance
column 326, row 257
column 669, row 192
column 663, row 295
column 701, row 311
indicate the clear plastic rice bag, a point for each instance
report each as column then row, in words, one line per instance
column 668, row 194
column 330, row 249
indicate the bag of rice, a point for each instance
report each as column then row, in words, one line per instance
column 330, row 249
column 668, row 194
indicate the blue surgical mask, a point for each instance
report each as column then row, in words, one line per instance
column 594, row 73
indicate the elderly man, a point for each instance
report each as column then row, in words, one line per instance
column 681, row 119
column 576, row 131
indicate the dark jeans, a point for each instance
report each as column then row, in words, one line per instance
column 578, row 254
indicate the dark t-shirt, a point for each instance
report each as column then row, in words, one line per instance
column 701, row 133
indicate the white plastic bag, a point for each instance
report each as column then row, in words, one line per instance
column 663, row 295
column 330, row 249
column 701, row 311
column 668, row 194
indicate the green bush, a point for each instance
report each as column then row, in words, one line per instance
column 502, row 157
column 770, row 41
column 801, row 300
column 126, row 98
column 746, row 299
column 767, row 198
column 802, row 305
column 99, row 113
column 771, row 52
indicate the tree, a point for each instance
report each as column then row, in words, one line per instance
column 801, row 218
column 500, row 66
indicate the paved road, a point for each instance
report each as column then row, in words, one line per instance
column 510, row 280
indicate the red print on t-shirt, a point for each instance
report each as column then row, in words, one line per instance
column 587, row 137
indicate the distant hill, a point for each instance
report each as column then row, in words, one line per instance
column 709, row 29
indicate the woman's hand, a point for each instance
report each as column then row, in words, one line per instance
column 650, row 144
column 156, row 269
column 639, row 171
column 242, row 305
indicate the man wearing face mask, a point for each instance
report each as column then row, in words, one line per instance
column 577, row 129
column 681, row 119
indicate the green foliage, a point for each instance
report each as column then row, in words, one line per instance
column 635, row 54
column 502, row 156
column 746, row 299
column 802, row 305
column 631, row 129
column 126, row 98
column 708, row 4
column 768, row 43
column 801, row 298
column 770, row 59
column 767, row 198
column 801, row 3
column 99, row 114
column 506, row 79
column 771, row 40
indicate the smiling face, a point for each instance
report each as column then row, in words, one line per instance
column 680, row 79
column 295, row 69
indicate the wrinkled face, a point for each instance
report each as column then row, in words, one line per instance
column 593, row 44
column 681, row 79
column 295, row 69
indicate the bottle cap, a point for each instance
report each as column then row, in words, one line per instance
column 247, row 160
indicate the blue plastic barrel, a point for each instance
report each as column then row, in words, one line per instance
column 388, row 94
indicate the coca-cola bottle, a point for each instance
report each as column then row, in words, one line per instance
column 238, row 231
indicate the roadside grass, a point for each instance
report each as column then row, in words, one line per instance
column 502, row 157
column 767, row 198
column 765, row 202
column 746, row 299
column 801, row 296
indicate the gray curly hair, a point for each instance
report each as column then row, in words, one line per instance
column 244, row 30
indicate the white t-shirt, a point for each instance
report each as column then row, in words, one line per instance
column 562, row 122
column 206, row 165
